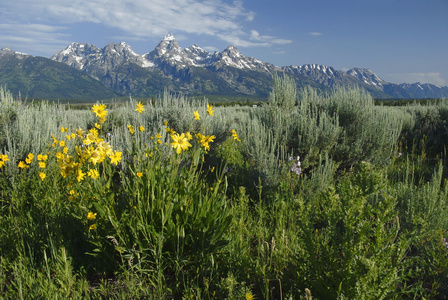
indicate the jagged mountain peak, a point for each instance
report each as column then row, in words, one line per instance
column 168, row 43
column 77, row 49
column 367, row 76
column 325, row 75
column 308, row 68
column 196, row 49
column 122, row 49
column 7, row 51
column 232, row 51
column 169, row 37
column 232, row 57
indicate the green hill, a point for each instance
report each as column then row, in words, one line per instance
column 39, row 77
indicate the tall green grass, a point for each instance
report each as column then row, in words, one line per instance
column 365, row 218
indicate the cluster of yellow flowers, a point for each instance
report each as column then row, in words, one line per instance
column 28, row 160
column 41, row 162
column 3, row 158
column 181, row 142
column 205, row 140
column 91, row 216
column 93, row 149
column 88, row 148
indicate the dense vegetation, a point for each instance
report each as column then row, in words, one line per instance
column 324, row 196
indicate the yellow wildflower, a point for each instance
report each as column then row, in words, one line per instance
column 95, row 157
column 131, row 129
column 93, row 173
column 115, row 158
column 29, row 158
column 180, row 142
column 141, row 128
column 80, row 175
column 139, row 174
column 80, row 132
column 55, row 140
column 196, row 115
column 90, row 138
column 99, row 110
column 209, row 110
column 42, row 175
column 64, row 129
column 235, row 135
column 158, row 136
column 205, row 140
column 98, row 126
column 42, row 165
column 3, row 158
column 165, row 123
column 91, row 216
column 92, row 227
column 170, row 131
column 62, row 143
column 22, row 165
column 42, row 157
column 140, row 107
column 94, row 132
column 249, row 296
column 189, row 136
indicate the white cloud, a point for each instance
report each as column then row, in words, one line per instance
column 431, row 77
column 315, row 33
column 210, row 48
column 145, row 18
column 255, row 36
column 39, row 36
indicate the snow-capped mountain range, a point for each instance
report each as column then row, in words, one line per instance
column 167, row 53
column 196, row 71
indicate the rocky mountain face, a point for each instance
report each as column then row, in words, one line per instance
column 40, row 77
column 425, row 90
column 195, row 71
column 192, row 70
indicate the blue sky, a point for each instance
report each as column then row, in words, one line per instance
column 400, row 40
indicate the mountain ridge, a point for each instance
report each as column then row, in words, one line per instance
column 43, row 78
column 195, row 71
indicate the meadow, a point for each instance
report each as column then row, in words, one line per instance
column 307, row 196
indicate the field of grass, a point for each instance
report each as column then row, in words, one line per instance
column 306, row 196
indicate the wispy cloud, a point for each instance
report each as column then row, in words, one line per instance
column 279, row 52
column 142, row 18
column 39, row 36
column 255, row 36
column 431, row 77
column 315, row 33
